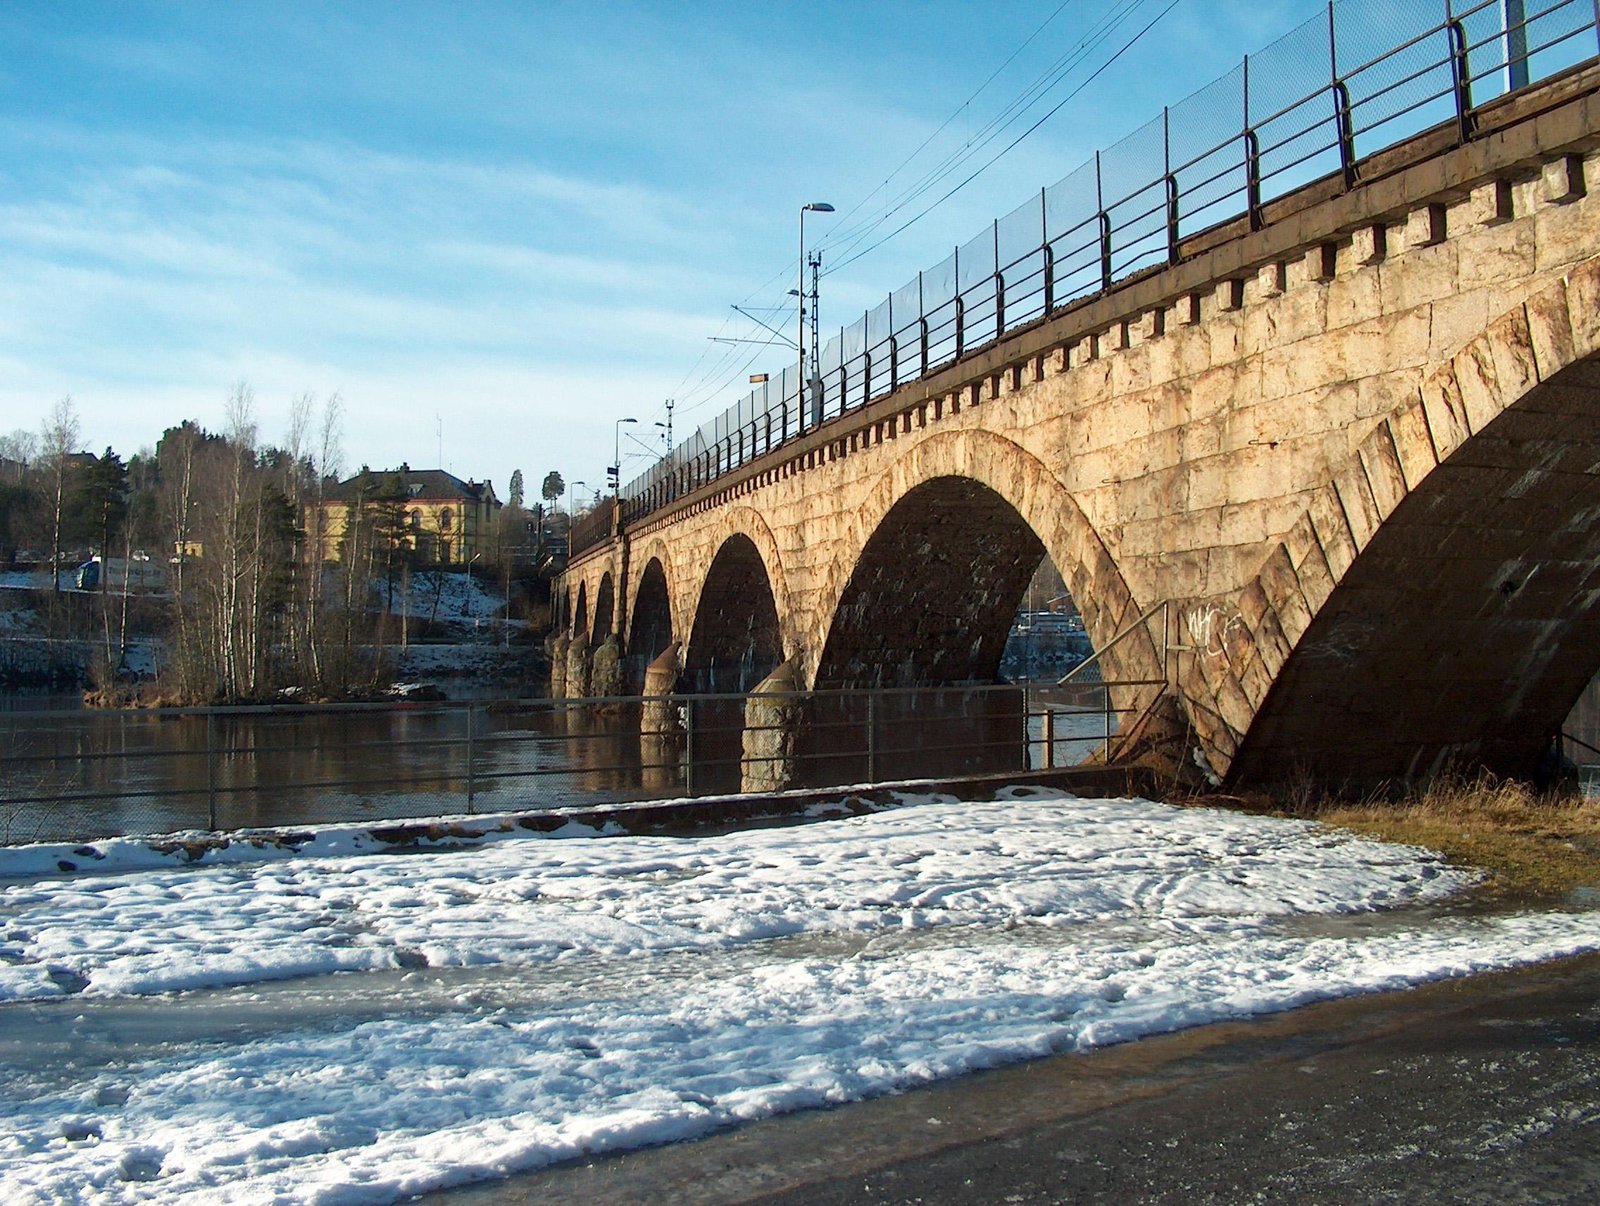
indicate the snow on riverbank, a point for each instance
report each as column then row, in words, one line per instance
column 551, row 998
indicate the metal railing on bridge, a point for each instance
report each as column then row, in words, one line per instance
column 1364, row 77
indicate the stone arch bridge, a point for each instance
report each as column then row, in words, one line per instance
column 1355, row 453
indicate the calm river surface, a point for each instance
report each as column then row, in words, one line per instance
column 70, row 773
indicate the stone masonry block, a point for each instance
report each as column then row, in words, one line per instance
column 1152, row 324
column 1511, row 345
column 1333, row 531
column 1272, row 647
column 1382, row 465
column 1369, row 244
column 1272, row 280
column 1234, row 706
column 1425, row 227
column 1360, row 508
column 1316, row 580
column 1561, row 180
column 1492, row 203
column 1187, row 309
column 1445, row 412
column 1281, row 585
column 1253, row 604
column 1230, row 296
column 1413, row 448
column 1322, row 262
column 1550, row 330
column 1256, row 682
column 1480, row 389
column 1583, row 302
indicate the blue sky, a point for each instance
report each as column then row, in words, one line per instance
column 494, row 228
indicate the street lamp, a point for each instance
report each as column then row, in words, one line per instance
column 572, row 513
column 616, row 456
column 816, row 207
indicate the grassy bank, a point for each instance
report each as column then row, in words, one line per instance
column 1538, row 846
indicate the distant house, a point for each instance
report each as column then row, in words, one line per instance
column 441, row 519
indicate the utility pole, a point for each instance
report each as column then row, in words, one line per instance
column 670, row 405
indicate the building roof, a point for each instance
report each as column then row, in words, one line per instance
column 429, row 485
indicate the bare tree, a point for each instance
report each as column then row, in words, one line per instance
column 57, row 440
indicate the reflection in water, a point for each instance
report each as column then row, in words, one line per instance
column 78, row 774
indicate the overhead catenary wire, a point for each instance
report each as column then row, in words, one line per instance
column 838, row 264
column 847, row 243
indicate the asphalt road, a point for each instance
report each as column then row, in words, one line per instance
column 1482, row 1090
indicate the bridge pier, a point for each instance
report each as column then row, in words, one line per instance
column 771, row 726
column 658, row 714
column 605, row 668
column 557, row 649
column 577, row 676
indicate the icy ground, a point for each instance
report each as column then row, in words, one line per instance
column 533, row 1000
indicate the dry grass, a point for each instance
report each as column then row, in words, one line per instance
column 1535, row 846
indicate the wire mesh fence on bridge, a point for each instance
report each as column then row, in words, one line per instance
column 1364, row 77
column 78, row 775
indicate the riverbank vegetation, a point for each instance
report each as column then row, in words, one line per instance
column 211, row 545
column 1534, row 845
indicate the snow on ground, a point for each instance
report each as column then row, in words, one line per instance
column 459, row 597
column 531, row 1001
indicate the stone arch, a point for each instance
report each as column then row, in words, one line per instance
column 604, row 610
column 1439, row 602
column 932, row 595
column 1006, row 480
column 650, row 624
column 736, row 639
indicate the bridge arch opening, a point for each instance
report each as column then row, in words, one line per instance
column 650, row 629
column 933, row 596
column 736, row 641
column 604, row 608
column 1464, row 632
column 580, row 611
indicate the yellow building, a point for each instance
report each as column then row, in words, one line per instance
column 440, row 518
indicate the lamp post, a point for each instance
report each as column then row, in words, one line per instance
column 616, row 456
column 815, row 207
column 572, row 513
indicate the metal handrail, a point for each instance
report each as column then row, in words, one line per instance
column 943, row 330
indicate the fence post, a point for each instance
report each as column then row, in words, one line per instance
column 1461, row 77
column 872, row 737
column 1172, row 185
column 688, row 746
column 1105, row 225
column 1049, row 737
column 211, row 770
column 922, row 323
column 470, row 783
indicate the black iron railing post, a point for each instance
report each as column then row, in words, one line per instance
column 688, row 746
column 872, row 737
column 1172, row 185
column 471, row 784
column 1105, row 225
column 999, row 286
column 211, row 770
column 1461, row 78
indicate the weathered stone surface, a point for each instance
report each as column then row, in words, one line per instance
column 578, row 667
column 772, row 718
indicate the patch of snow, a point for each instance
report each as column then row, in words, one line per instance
column 568, row 997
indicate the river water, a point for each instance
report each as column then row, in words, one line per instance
column 71, row 773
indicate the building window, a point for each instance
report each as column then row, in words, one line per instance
column 416, row 519
column 444, row 552
column 445, row 519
